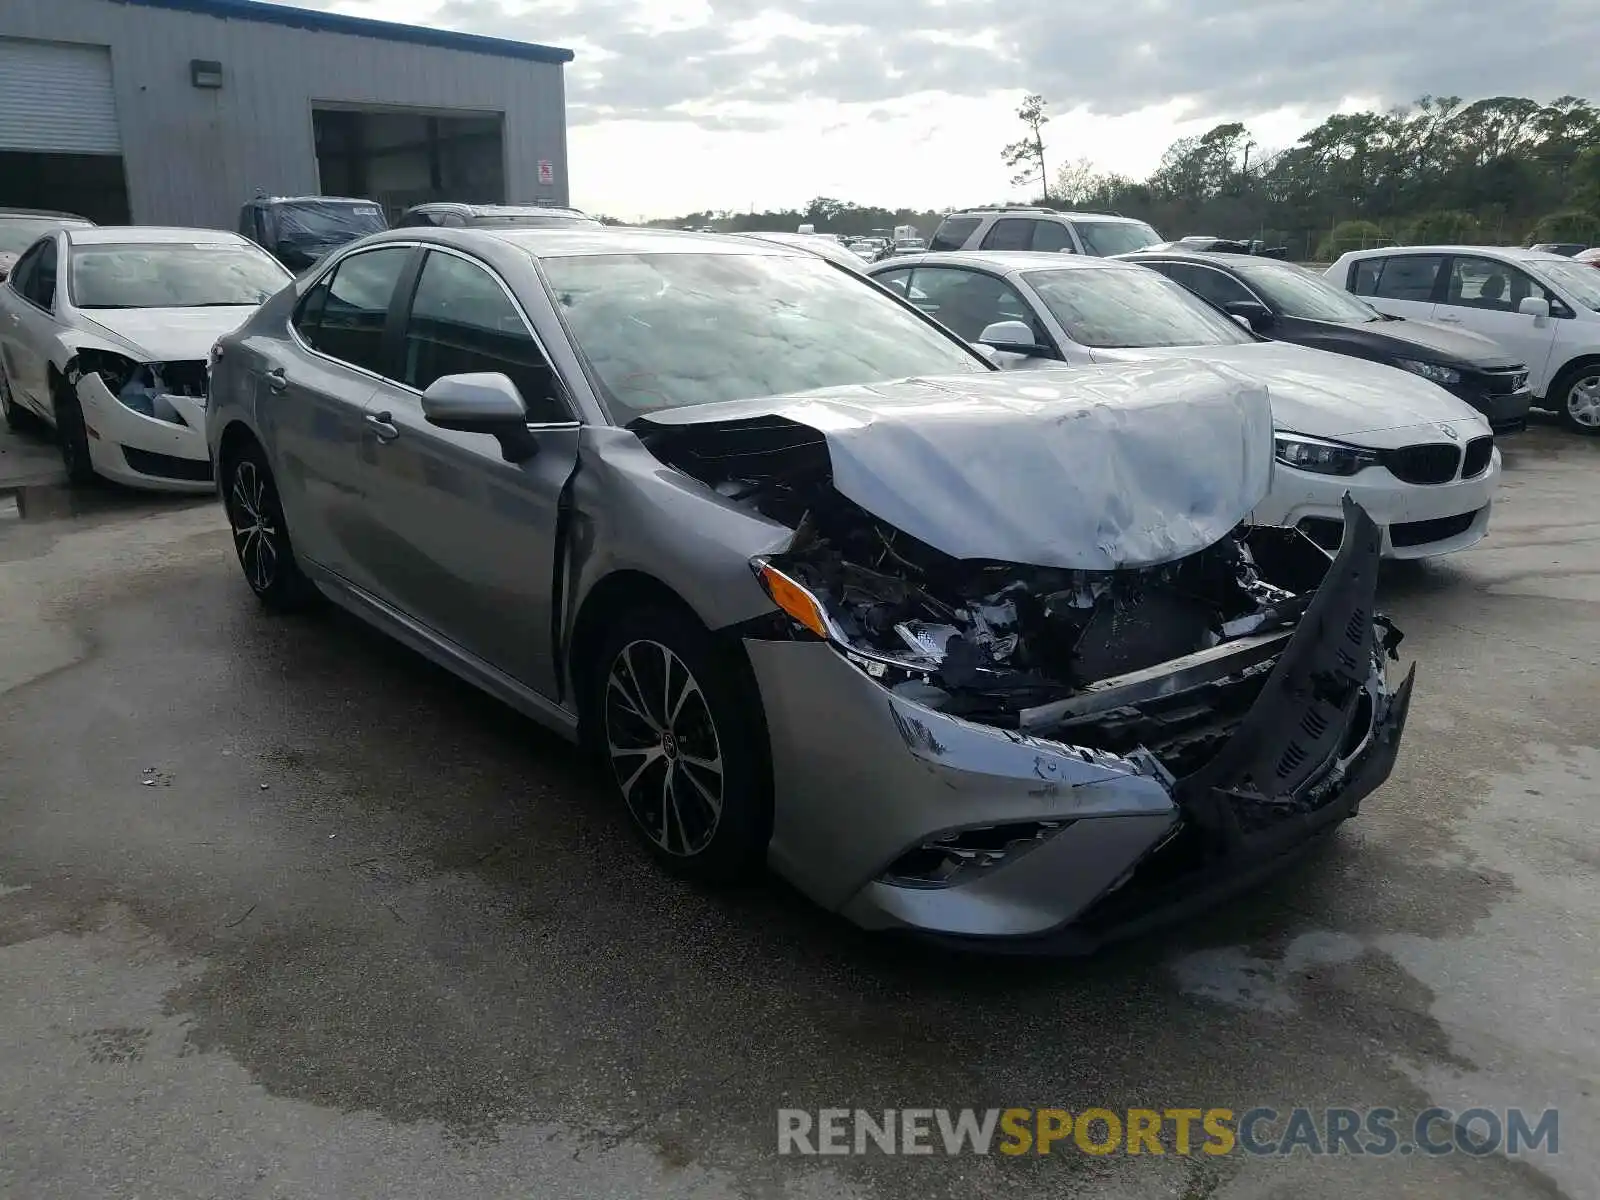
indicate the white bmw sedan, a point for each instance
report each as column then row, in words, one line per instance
column 1422, row 462
column 104, row 334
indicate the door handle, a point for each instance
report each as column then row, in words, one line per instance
column 277, row 380
column 1448, row 319
column 383, row 426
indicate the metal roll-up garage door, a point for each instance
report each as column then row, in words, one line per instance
column 56, row 98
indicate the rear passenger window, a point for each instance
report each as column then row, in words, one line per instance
column 953, row 233
column 463, row 322
column 1053, row 236
column 1010, row 233
column 1398, row 277
column 343, row 315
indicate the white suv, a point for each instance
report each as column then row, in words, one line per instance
column 1542, row 308
column 1099, row 234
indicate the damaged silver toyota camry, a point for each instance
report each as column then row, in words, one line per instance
column 995, row 658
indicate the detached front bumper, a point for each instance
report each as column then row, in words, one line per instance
column 1070, row 847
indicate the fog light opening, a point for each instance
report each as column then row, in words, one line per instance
column 968, row 852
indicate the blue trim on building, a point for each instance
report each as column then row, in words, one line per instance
column 327, row 22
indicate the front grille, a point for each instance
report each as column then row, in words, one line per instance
column 1503, row 383
column 1435, row 463
column 1420, row 533
column 165, row 466
column 1476, row 460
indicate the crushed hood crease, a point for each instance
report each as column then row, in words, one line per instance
column 1094, row 470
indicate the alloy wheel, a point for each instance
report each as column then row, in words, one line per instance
column 1583, row 401
column 255, row 534
column 664, row 747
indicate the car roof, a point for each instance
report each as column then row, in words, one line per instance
column 142, row 235
column 499, row 210
column 1516, row 253
column 576, row 240
column 1003, row 261
column 312, row 200
column 1207, row 257
column 1071, row 213
column 45, row 213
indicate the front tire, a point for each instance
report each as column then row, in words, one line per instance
column 1576, row 397
column 72, row 435
column 677, row 720
column 260, row 534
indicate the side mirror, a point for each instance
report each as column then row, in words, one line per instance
column 1245, row 321
column 482, row 403
column 1014, row 337
column 1258, row 317
column 1536, row 307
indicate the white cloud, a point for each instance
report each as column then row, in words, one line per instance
column 680, row 105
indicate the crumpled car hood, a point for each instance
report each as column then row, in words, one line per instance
column 1096, row 469
column 1329, row 395
column 165, row 334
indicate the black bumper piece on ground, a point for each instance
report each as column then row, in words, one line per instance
column 1272, row 792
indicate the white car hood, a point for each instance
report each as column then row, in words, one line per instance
column 165, row 334
column 1330, row 395
column 1095, row 469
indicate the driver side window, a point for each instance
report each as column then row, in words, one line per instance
column 1489, row 284
column 22, row 274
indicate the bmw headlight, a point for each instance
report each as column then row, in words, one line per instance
column 1433, row 371
column 1322, row 457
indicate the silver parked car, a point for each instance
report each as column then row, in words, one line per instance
column 981, row 655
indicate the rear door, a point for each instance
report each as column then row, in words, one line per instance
column 19, row 359
column 313, row 405
column 466, row 543
column 1402, row 285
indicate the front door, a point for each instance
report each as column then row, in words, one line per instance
column 1482, row 294
column 30, row 327
column 466, row 541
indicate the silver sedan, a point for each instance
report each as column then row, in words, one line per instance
column 981, row 655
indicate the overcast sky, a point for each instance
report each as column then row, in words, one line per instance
column 679, row 105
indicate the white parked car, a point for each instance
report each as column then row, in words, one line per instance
column 104, row 335
column 1543, row 308
column 1422, row 462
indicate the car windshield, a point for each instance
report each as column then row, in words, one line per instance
column 1295, row 292
column 1131, row 308
column 171, row 275
column 18, row 233
column 1105, row 238
column 1579, row 282
column 664, row 331
column 323, row 222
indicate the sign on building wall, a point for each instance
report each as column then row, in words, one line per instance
column 547, row 171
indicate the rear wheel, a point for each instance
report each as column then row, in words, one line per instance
column 678, row 721
column 72, row 434
column 1576, row 396
column 260, row 534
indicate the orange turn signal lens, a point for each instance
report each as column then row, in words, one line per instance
column 793, row 599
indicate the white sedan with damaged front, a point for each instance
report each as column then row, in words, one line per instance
column 104, row 334
column 1421, row 462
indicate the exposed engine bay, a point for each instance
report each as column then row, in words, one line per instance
column 1166, row 659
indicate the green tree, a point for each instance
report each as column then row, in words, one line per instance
column 1448, row 228
column 1573, row 225
column 1028, row 152
column 1350, row 235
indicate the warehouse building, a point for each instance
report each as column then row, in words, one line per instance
column 178, row 111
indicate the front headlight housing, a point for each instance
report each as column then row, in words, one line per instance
column 1434, row 371
column 1320, row 456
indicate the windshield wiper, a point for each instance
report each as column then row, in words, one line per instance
column 217, row 304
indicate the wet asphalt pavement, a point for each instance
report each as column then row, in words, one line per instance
column 287, row 912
